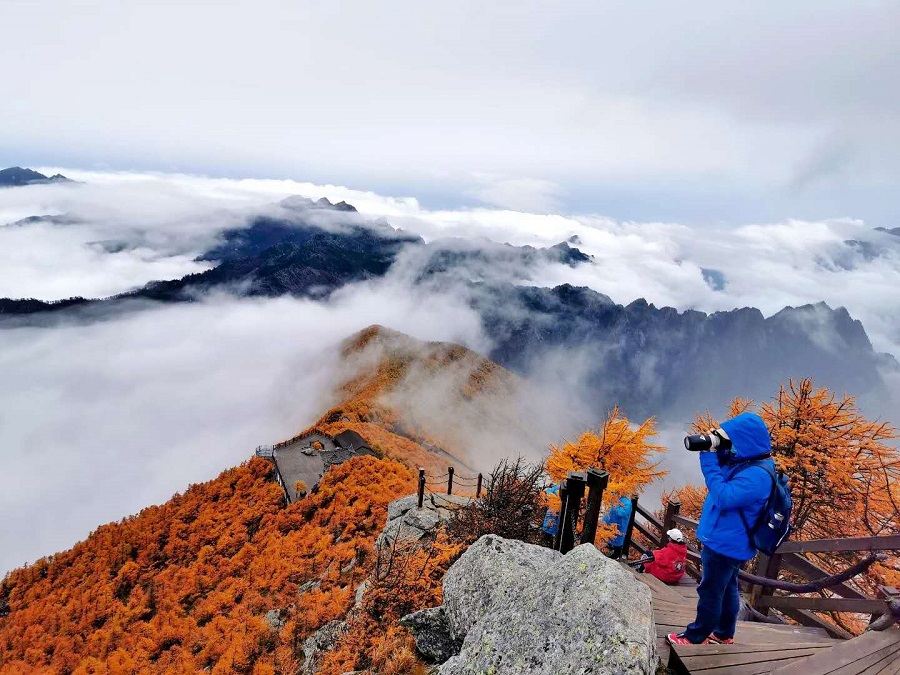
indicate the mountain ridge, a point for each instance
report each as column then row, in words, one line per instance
column 668, row 362
column 17, row 176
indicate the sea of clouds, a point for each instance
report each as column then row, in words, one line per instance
column 98, row 420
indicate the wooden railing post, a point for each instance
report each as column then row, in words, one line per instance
column 478, row 488
column 673, row 508
column 568, row 522
column 450, row 481
column 769, row 567
column 626, row 545
column 597, row 480
column 421, row 486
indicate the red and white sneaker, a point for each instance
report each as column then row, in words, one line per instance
column 680, row 639
column 712, row 639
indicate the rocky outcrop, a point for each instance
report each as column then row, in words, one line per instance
column 517, row 608
column 404, row 521
column 309, row 587
column 407, row 521
column 434, row 638
column 273, row 618
column 317, row 644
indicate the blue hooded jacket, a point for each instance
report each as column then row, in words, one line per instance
column 721, row 527
column 619, row 515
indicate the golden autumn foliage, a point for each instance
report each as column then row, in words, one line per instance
column 406, row 578
column 842, row 471
column 843, row 474
column 185, row 586
column 618, row 447
column 691, row 497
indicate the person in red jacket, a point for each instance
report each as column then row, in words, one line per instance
column 668, row 562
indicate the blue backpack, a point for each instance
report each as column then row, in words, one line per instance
column 773, row 525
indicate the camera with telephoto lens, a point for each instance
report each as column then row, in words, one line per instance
column 714, row 441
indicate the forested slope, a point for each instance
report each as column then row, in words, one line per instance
column 185, row 586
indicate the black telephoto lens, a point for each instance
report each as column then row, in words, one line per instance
column 698, row 443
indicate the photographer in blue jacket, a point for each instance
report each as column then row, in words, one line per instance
column 738, row 478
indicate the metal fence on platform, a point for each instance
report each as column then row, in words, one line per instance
column 267, row 451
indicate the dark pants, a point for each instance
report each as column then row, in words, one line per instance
column 615, row 552
column 720, row 601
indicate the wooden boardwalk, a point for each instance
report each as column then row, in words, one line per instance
column 762, row 648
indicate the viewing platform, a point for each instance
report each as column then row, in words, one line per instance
column 305, row 458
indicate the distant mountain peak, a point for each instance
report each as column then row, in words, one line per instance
column 300, row 202
column 17, row 176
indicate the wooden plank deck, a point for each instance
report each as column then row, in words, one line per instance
column 763, row 648
column 870, row 653
column 742, row 659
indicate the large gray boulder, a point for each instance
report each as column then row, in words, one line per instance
column 489, row 576
column 519, row 608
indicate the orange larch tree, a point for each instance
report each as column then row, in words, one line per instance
column 842, row 471
column 618, row 447
column 186, row 586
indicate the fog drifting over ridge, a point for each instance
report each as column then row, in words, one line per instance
column 100, row 420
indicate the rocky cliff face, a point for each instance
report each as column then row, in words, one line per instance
column 513, row 608
column 659, row 361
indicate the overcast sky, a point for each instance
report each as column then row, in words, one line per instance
column 705, row 112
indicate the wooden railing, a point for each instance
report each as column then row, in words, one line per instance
column 280, row 480
column 434, row 484
column 787, row 558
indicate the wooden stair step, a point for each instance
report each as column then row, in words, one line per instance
column 674, row 615
column 891, row 668
column 754, row 633
column 747, row 659
column 869, row 653
column 659, row 589
column 662, row 649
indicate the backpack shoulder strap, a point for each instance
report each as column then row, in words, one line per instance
column 761, row 463
column 771, row 471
